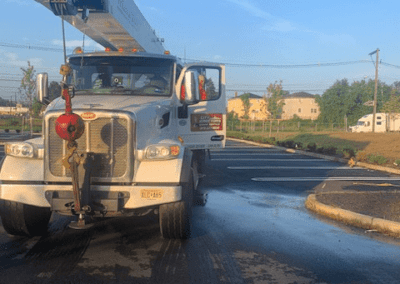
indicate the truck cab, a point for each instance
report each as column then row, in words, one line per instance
column 148, row 120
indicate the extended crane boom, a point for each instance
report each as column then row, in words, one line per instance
column 111, row 23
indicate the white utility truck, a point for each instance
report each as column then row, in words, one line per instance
column 384, row 122
column 128, row 137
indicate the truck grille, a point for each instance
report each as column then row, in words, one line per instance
column 107, row 137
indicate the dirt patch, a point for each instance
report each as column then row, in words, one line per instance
column 385, row 144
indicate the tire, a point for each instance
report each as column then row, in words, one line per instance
column 175, row 218
column 24, row 220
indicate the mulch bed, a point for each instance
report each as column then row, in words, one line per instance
column 384, row 205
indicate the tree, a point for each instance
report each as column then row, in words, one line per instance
column 54, row 90
column 28, row 85
column 274, row 101
column 345, row 100
column 246, row 105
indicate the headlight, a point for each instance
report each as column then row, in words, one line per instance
column 22, row 150
column 162, row 152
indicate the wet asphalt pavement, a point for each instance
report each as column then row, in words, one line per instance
column 252, row 230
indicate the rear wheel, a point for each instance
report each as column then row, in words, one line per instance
column 24, row 220
column 175, row 218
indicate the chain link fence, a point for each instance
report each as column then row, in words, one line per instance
column 20, row 124
column 276, row 126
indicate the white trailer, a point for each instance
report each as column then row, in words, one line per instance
column 384, row 122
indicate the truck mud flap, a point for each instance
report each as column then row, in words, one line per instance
column 103, row 202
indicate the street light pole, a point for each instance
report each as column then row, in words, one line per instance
column 376, row 87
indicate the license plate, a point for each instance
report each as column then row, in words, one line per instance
column 151, row 193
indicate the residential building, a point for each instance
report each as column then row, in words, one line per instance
column 257, row 110
column 301, row 104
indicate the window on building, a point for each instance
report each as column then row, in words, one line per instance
column 379, row 123
column 299, row 109
column 378, row 117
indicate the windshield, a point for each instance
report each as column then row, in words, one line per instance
column 121, row 75
column 360, row 123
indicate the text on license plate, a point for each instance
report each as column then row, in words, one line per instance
column 151, row 193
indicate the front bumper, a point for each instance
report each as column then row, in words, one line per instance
column 134, row 196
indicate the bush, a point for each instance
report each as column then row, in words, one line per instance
column 377, row 159
column 397, row 162
column 312, row 147
column 289, row 144
column 321, row 150
column 330, row 151
column 348, row 153
column 298, row 145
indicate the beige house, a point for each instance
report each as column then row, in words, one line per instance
column 301, row 104
column 257, row 110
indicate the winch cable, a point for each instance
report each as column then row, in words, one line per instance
column 70, row 127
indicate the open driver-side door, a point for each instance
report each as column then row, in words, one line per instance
column 202, row 116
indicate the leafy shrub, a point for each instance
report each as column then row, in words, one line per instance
column 289, row 144
column 377, row 159
column 330, row 151
column 312, row 146
column 320, row 150
column 348, row 153
column 298, row 145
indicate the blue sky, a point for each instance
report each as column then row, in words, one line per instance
column 229, row 31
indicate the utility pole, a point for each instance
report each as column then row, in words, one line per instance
column 376, row 87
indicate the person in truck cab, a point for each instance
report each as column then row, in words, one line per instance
column 157, row 85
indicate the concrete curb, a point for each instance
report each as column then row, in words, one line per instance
column 359, row 220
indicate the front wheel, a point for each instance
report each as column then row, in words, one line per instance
column 175, row 218
column 24, row 220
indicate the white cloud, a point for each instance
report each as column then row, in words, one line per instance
column 281, row 26
column 20, row 2
column 13, row 59
column 74, row 43
column 252, row 9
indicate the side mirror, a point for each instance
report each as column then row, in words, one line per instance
column 191, row 87
column 42, row 88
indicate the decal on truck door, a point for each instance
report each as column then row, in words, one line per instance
column 206, row 122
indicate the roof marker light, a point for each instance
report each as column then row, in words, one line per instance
column 78, row 50
column 108, row 49
column 120, row 49
column 167, row 52
column 134, row 50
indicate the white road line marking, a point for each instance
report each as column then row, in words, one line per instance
column 249, row 154
column 300, row 168
column 324, row 178
column 272, row 160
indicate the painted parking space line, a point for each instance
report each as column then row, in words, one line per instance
column 298, row 179
column 292, row 168
column 251, row 154
column 271, row 160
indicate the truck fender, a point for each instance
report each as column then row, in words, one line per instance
column 21, row 169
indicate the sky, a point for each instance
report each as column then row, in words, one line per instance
column 261, row 42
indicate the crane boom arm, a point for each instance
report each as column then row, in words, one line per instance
column 111, row 23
